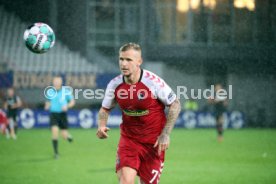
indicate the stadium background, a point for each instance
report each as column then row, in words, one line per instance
column 194, row 43
column 227, row 41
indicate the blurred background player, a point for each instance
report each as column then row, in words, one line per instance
column 59, row 101
column 220, row 103
column 145, row 129
column 12, row 104
column 4, row 123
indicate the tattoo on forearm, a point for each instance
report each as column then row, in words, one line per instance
column 102, row 117
column 172, row 116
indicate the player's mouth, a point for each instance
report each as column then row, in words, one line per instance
column 124, row 70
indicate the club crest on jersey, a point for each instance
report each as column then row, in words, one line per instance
column 141, row 96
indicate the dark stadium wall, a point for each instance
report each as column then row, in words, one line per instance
column 71, row 26
column 29, row 11
column 69, row 23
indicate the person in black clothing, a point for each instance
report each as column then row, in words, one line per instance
column 12, row 104
column 220, row 103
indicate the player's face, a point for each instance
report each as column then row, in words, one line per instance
column 130, row 62
column 10, row 92
column 218, row 87
column 57, row 82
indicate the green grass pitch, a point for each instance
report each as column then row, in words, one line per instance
column 245, row 156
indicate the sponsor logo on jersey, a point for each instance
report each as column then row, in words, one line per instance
column 170, row 96
column 136, row 112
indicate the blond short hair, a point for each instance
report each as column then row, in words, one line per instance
column 129, row 46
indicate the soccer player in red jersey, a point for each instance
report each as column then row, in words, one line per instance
column 145, row 130
column 4, row 123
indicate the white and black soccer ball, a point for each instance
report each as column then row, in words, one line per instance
column 39, row 38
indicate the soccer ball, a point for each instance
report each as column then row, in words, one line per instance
column 39, row 38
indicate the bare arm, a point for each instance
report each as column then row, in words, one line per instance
column 71, row 103
column 18, row 103
column 47, row 105
column 164, row 139
column 102, row 121
column 173, row 113
column 5, row 105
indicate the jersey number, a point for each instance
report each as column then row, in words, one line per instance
column 155, row 174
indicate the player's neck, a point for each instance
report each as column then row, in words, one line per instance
column 58, row 88
column 132, row 79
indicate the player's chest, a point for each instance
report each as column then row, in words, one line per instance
column 134, row 97
column 11, row 101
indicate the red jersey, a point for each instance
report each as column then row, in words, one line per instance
column 3, row 118
column 142, row 105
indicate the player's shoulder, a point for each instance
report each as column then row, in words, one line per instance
column 115, row 82
column 66, row 89
column 2, row 112
column 151, row 79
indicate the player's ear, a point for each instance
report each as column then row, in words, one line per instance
column 140, row 62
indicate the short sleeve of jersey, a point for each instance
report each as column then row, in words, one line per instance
column 109, row 97
column 159, row 88
column 69, row 95
column 165, row 94
column 18, row 99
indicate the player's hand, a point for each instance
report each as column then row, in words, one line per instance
column 102, row 132
column 65, row 108
column 14, row 106
column 162, row 142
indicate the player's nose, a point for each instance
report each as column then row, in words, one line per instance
column 123, row 63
